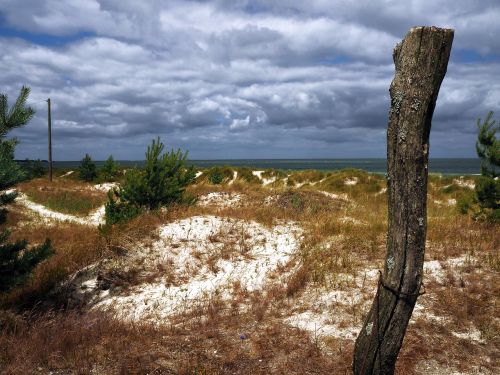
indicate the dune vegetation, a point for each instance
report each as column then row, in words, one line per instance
column 265, row 272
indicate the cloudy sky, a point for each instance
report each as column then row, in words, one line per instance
column 237, row 78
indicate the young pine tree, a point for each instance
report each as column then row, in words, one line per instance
column 161, row 182
column 87, row 169
column 488, row 185
column 109, row 170
column 16, row 259
column 37, row 169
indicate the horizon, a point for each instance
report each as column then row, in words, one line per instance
column 189, row 159
column 237, row 80
column 445, row 166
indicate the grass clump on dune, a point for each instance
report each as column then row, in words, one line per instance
column 66, row 196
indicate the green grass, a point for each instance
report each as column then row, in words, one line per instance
column 69, row 203
column 66, row 196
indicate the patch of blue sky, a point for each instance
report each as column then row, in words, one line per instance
column 41, row 38
column 335, row 60
column 470, row 56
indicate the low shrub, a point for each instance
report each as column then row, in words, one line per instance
column 217, row 175
column 246, row 175
column 118, row 212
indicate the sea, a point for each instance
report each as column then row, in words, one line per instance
column 439, row 166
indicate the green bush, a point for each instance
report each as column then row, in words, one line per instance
column 488, row 192
column 17, row 261
column 118, row 212
column 33, row 169
column 87, row 169
column 215, row 176
column 160, row 183
column 37, row 169
column 109, row 170
column 246, row 175
column 465, row 203
column 488, row 186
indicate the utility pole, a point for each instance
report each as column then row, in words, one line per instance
column 50, row 140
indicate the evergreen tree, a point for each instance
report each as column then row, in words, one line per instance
column 160, row 183
column 488, row 185
column 87, row 169
column 16, row 259
column 33, row 168
column 109, row 169
column 37, row 169
column 16, row 116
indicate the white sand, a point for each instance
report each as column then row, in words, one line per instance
column 472, row 334
column 449, row 202
column 220, row 199
column 235, row 176
column 351, row 181
column 464, row 183
column 343, row 196
column 324, row 312
column 258, row 174
column 184, row 248
column 318, row 182
column 328, row 313
column 265, row 181
column 69, row 173
column 106, row 186
column 437, row 269
column 298, row 185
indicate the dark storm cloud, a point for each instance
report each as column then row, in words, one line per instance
column 229, row 79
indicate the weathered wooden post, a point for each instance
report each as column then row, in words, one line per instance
column 421, row 60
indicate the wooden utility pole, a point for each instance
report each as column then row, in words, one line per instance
column 50, row 140
column 421, row 60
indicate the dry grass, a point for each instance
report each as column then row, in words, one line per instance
column 75, row 247
column 226, row 342
column 340, row 238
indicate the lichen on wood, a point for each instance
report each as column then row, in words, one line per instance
column 421, row 60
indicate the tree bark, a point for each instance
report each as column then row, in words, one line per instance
column 421, row 60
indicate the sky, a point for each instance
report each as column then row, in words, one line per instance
column 236, row 79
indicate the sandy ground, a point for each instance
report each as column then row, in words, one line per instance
column 329, row 313
column 221, row 199
column 69, row 173
column 201, row 257
column 265, row 181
